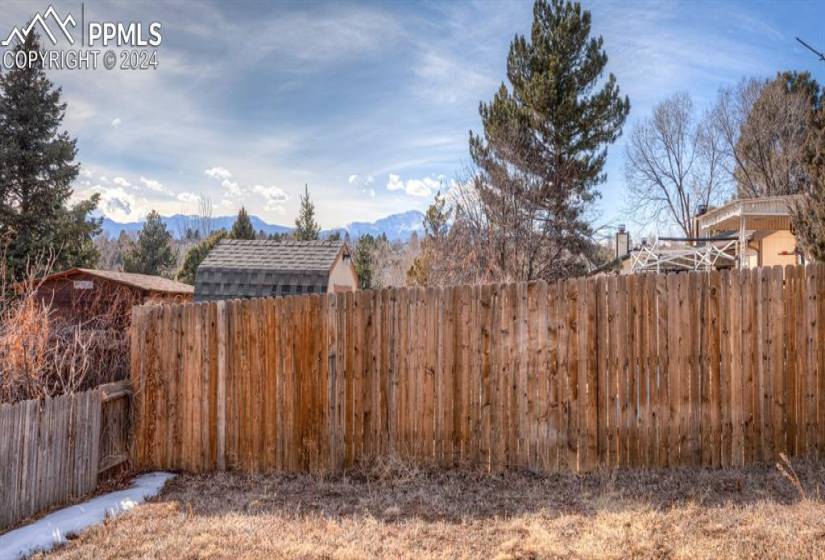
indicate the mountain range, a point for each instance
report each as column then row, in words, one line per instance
column 397, row 227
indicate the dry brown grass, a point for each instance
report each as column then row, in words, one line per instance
column 395, row 512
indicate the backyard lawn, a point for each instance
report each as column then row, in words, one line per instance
column 396, row 511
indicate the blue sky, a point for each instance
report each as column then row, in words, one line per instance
column 369, row 103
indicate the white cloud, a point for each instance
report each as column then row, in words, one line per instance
column 273, row 206
column 121, row 182
column 364, row 184
column 233, row 187
column 116, row 203
column 395, row 183
column 116, row 122
column 188, row 197
column 223, row 175
column 275, row 198
column 218, row 173
column 86, row 172
column 103, row 179
column 415, row 187
column 271, row 193
column 154, row 185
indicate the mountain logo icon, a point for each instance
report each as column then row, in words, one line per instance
column 43, row 20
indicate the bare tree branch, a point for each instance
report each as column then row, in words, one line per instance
column 673, row 165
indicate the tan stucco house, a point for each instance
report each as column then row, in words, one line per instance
column 744, row 233
column 762, row 227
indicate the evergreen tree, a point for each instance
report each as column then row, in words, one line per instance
column 364, row 262
column 37, row 169
column 306, row 228
column 437, row 218
column 804, row 83
column 196, row 255
column 242, row 228
column 809, row 217
column 545, row 144
column 436, row 226
column 152, row 253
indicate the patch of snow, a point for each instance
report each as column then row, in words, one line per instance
column 52, row 529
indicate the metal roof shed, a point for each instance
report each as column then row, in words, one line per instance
column 258, row 268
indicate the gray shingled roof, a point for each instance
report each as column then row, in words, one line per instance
column 281, row 256
column 241, row 269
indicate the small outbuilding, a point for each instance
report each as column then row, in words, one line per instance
column 238, row 268
column 81, row 294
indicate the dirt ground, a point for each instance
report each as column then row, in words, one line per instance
column 396, row 511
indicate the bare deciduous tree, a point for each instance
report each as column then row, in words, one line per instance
column 477, row 249
column 391, row 260
column 205, row 216
column 763, row 125
column 674, row 164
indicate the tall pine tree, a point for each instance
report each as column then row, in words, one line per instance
column 545, row 144
column 152, row 253
column 306, row 228
column 363, row 260
column 242, row 228
column 37, row 169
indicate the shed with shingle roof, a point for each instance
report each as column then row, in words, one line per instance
column 238, row 268
column 81, row 295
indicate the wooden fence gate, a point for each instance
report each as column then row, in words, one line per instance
column 720, row 368
column 52, row 450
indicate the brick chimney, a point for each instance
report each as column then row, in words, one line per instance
column 622, row 242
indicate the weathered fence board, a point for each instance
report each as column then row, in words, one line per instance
column 52, row 450
column 717, row 369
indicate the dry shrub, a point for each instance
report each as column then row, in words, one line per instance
column 391, row 468
column 785, row 467
column 44, row 355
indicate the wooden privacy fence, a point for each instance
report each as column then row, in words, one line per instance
column 720, row 368
column 52, row 450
